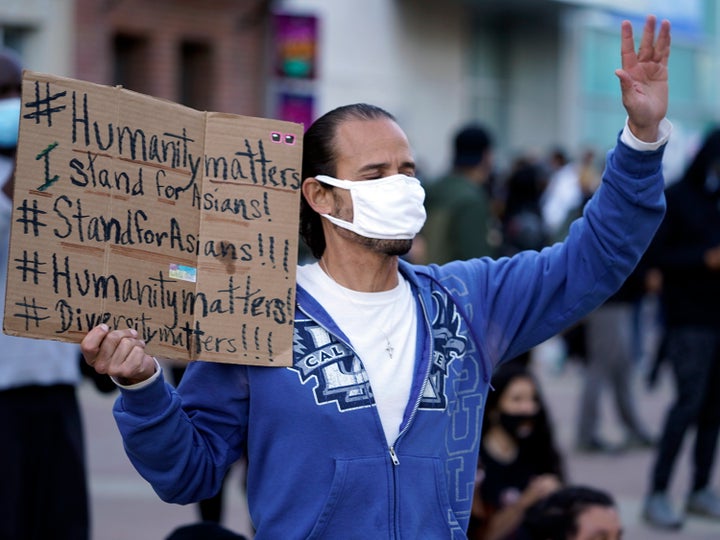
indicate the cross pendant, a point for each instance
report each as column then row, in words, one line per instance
column 389, row 349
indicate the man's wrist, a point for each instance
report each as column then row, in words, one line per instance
column 129, row 384
column 644, row 134
column 662, row 134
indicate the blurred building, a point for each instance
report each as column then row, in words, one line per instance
column 41, row 31
column 539, row 73
column 208, row 54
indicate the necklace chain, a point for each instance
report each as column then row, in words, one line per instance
column 389, row 349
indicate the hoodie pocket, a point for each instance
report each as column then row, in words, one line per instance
column 369, row 498
column 357, row 503
column 424, row 508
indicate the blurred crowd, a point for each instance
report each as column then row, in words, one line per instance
column 665, row 314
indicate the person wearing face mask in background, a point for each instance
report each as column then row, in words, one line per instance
column 686, row 250
column 43, row 491
column 519, row 462
column 374, row 430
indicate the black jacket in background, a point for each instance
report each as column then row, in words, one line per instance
column 691, row 291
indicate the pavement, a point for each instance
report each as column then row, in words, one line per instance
column 124, row 507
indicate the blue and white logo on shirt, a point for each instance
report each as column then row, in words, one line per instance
column 340, row 377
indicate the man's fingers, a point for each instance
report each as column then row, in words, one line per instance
column 627, row 45
column 626, row 80
column 662, row 45
column 645, row 52
column 90, row 345
column 650, row 50
column 120, row 354
column 127, row 342
column 115, row 346
column 135, row 364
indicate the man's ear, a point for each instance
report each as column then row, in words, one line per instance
column 318, row 196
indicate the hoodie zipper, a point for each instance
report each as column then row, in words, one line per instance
column 416, row 406
column 391, row 449
column 393, row 455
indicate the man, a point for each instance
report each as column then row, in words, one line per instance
column 460, row 218
column 687, row 252
column 572, row 513
column 374, row 430
column 43, row 492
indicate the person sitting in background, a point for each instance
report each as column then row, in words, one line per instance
column 572, row 513
column 519, row 462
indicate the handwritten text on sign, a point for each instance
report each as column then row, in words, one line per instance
column 142, row 213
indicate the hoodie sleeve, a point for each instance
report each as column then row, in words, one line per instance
column 183, row 447
column 524, row 300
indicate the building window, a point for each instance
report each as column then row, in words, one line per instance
column 14, row 37
column 196, row 75
column 130, row 68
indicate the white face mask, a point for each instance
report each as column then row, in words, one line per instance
column 389, row 208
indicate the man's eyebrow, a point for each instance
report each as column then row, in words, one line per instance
column 381, row 166
column 373, row 167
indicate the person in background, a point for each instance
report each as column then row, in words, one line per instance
column 43, row 491
column 520, row 217
column 374, row 428
column 562, row 202
column 562, row 198
column 573, row 512
column 460, row 220
column 519, row 462
column 522, row 223
column 610, row 364
column 588, row 174
column 686, row 250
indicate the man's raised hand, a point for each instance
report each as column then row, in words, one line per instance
column 644, row 77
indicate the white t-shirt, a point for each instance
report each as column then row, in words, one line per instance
column 370, row 321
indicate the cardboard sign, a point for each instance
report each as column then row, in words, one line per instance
column 137, row 212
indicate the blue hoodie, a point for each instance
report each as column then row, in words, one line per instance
column 319, row 465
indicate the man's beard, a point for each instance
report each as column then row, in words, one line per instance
column 387, row 247
column 384, row 246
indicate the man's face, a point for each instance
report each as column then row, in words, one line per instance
column 599, row 523
column 371, row 149
column 367, row 150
